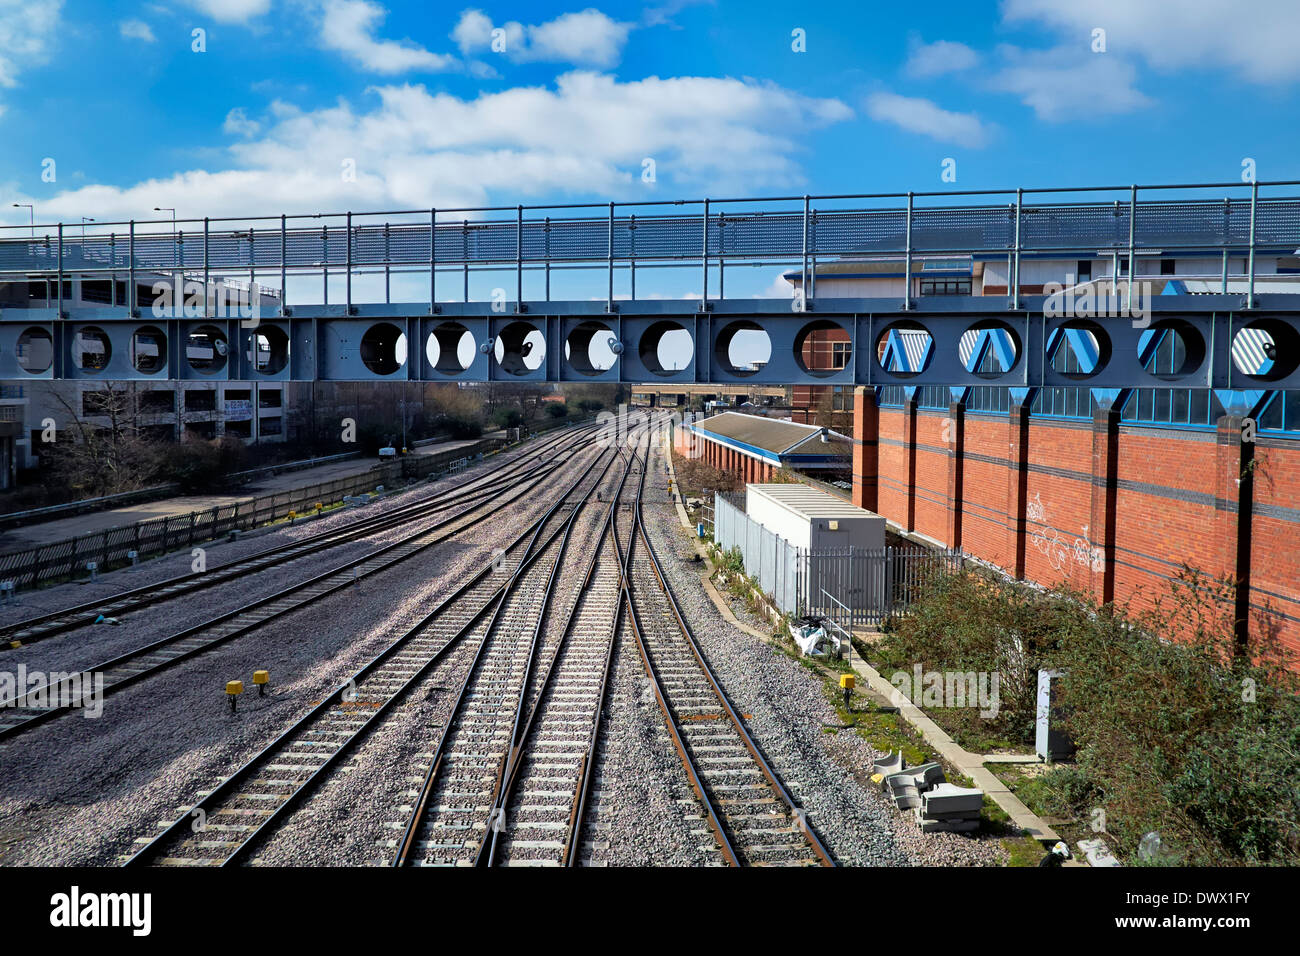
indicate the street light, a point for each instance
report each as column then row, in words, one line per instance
column 31, row 214
column 175, row 242
column 84, row 220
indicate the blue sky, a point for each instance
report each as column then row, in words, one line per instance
column 413, row 93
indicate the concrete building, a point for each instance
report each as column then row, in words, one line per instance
column 254, row 412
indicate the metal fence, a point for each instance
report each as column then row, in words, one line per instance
column 111, row 548
column 855, row 587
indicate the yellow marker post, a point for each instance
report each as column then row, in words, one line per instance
column 847, row 683
column 233, row 689
column 261, row 679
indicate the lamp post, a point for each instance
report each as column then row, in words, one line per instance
column 84, row 220
column 31, row 214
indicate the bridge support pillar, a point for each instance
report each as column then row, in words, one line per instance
column 866, row 448
column 1234, row 516
column 1017, row 486
column 1105, row 488
column 954, row 431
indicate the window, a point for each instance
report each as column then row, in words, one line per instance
column 271, row 426
column 1167, row 267
column 1072, row 401
column 959, row 286
column 274, row 398
column 95, row 403
column 1083, row 270
column 1172, row 406
column 158, row 400
column 840, row 352
column 201, row 400
column 989, row 398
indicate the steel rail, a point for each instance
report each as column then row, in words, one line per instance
column 71, row 617
column 509, row 774
column 773, row 779
column 42, row 715
column 228, row 786
column 634, row 621
column 416, row 817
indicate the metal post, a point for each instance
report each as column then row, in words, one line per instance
column 347, row 258
column 1250, row 268
column 548, row 258
column 704, row 261
column 1132, row 238
column 130, row 255
column 907, row 260
column 284, row 268
column 325, row 264
column 59, row 314
column 609, row 295
column 388, row 269
column 1015, row 292
column 803, row 276
column 1223, row 282
column 519, row 258
column 464, row 243
column 206, row 264
column 433, row 261
column 631, row 242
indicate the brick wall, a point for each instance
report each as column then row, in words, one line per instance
column 1111, row 508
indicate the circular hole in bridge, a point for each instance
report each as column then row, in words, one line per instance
column 989, row 349
column 742, row 348
column 666, row 348
column 383, row 348
column 450, row 348
column 823, row 348
column 1266, row 349
column 268, row 349
column 1172, row 349
column 35, row 350
column 148, row 349
column 589, row 348
column 904, row 349
column 206, row 349
column 91, row 349
column 520, row 348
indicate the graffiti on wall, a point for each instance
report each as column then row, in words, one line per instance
column 1059, row 550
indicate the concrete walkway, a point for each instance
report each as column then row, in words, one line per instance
column 60, row 529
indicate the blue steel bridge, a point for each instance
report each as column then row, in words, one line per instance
column 78, row 304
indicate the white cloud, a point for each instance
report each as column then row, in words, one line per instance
column 938, row 58
column 917, row 115
column 588, row 38
column 26, row 30
column 238, row 124
column 231, row 11
column 586, row 136
column 1256, row 39
column 137, row 30
column 349, row 26
column 1066, row 84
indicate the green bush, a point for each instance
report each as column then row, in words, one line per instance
column 1181, row 727
column 557, row 410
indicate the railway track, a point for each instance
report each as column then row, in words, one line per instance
column 460, row 806
column 543, row 798
column 240, row 812
column 29, row 631
column 53, row 700
column 753, row 817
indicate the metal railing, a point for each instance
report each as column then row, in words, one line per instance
column 793, row 229
column 870, row 584
column 111, row 548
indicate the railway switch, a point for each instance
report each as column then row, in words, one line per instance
column 233, row 689
column 261, row 679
